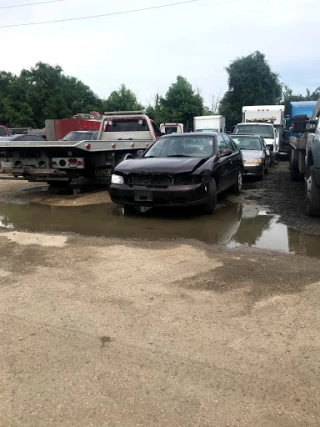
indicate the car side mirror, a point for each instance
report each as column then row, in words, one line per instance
column 225, row 152
column 140, row 153
column 300, row 122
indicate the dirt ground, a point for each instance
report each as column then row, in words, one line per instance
column 105, row 332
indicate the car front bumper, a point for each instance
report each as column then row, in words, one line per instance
column 176, row 195
column 253, row 170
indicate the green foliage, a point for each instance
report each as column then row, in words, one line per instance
column 251, row 82
column 180, row 104
column 41, row 93
column 122, row 100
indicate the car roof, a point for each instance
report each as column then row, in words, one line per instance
column 244, row 134
column 254, row 123
column 181, row 135
column 83, row 131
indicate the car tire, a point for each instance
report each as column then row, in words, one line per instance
column 211, row 202
column 129, row 210
column 237, row 187
column 313, row 194
column 295, row 175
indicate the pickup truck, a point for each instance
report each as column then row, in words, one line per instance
column 121, row 136
column 305, row 156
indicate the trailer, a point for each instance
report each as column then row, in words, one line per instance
column 121, row 135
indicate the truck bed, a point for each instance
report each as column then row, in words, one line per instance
column 95, row 146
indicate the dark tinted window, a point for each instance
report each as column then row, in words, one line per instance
column 2, row 132
column 127, row 126
column 266, row 131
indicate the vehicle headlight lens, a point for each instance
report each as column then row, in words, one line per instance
column 185, row 179
column 253, row 162
column 117, row 179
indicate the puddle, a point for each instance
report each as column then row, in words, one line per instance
column 232, row 225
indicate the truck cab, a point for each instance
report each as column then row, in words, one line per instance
column 168, row 128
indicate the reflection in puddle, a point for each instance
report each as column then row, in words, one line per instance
column 232, row 225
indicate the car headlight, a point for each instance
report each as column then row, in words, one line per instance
column 253, row 162
column 117, row 179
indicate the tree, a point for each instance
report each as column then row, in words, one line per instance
column 41, row 93
column 122, row 99
column 251, row 82
column 181, row 103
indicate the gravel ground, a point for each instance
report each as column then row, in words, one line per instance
column 100, row 332
column 284, row 198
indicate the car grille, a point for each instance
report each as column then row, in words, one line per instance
column 151, row 180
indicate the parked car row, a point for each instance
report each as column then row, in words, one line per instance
column 188, row 169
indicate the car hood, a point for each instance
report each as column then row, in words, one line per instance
column 252, row 154
column 167, row 165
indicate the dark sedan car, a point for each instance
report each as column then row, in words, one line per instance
column 179, row 170
column 256, row 156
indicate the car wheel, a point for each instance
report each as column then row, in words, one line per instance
column 295, row 175
column 237, row 187
column 211, row 202
column 129, row 210
column 313, row 194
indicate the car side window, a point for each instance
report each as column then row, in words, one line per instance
column 229, row 143
column 221, row 142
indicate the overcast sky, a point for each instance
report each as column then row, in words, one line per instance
column 147, row 50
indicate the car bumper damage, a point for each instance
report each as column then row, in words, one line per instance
column 176, row 195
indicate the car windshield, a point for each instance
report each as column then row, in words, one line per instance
column 78, row 136
column 265, row 131
column 188, row 146
column 247, row 142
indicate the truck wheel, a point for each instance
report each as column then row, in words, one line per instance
column 294, row 167
column 211, row 202
column 237, row 187
column 313, row 194
column 59, row 184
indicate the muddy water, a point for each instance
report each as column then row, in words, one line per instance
column 232, row 225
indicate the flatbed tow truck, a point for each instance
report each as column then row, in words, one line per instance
column 122, row 135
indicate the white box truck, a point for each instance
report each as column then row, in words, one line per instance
column 209, row 124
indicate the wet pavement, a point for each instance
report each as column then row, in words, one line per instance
column 232, row 225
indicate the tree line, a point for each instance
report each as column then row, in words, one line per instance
column 45, row 92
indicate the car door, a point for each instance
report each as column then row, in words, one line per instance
column 235, row 160
column 223, row 166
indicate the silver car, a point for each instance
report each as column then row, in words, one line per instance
column 255, row 154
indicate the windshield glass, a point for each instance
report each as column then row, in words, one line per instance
column 264, row 131
column 189, row 146
column 78, row 136
column 247, row 142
